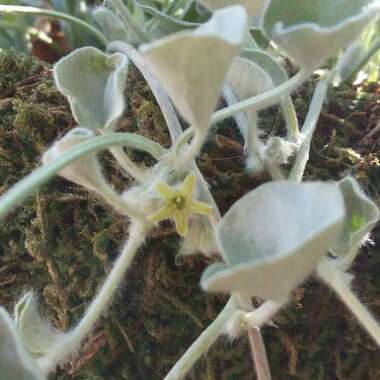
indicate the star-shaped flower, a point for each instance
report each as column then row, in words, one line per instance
column 179, row 204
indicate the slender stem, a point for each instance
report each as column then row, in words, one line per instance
column 335, row 279
column 203, row 342
column 257, row 103
column 262, row 314
column 32, row 182
column 128, row 20
column 259, row 354
column 307, row 131
column 60, row 15
column 60, row 352
column 120, row 205
column 159, row 93
column 195, row 147
column 290, row 116
column 257, row 345
column 247, row 124
column 373, row 49
column 263, row 100
column 129, row 166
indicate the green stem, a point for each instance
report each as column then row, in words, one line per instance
column 307, row 131
column 128, row 20
column 290, row 116
column 335, row 280
column 266, row 99
column 202, row 344
column 364, row 59
column 29, row 184
column 55, row 14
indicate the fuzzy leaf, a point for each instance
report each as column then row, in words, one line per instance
column 311, row 31
column 15, row 362
column 192, row 78
column 37, row 335
column 85, row 172
column 362, row 215
column 110, row 24
column 267, row 63
column 253, row 7
column 248, row 79
column 94, row 84
column 273, row 237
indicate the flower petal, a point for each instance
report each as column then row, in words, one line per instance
column 188, row 186
column 166, row 212
column 181, row 223
column 197, row 207
column 165, row 191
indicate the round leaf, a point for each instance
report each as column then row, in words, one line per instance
column 192, row 78
column 273, row 237
column 362, row 215
column 94, row 84
column 311, row 31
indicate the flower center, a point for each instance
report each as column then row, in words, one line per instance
column 179, row 203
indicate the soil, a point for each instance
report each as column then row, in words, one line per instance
column 61, row 243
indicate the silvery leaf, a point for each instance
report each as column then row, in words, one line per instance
column 110, row 24
column 362, row 215
column 86, row 171
column 253, row 7
column 248, row 79
column 273, row 237
column 15, row 362
column 192, row 78
column 267, row 63
column 94, row 83
column 36, row 334
column 311, row 31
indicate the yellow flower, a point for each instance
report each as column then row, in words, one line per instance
column 179, row 204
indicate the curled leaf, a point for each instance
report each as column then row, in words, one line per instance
column 273, row 237
column 362, row 215
column 36, row 334
column 192, row 78
column 86, row 171
column 15, row 362
column 94, row 83
column 311, row 31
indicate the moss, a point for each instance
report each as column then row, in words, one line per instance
column 62, row 242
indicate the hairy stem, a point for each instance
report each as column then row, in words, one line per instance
column 334, row 278
column 71, row 343
column 203, row 342
column 373, row 49
column 129, row 166
column 256, row 343
column 291, row 120
column 263, row 100
column 307, row 131
column 32, row 182
column 55, row 14
column 159, row 93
